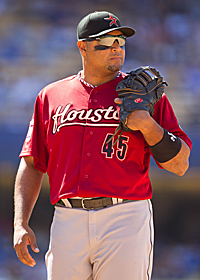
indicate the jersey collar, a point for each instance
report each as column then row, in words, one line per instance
column 80, row 76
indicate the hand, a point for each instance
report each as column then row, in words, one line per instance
column 137, row 119
column 24, row 236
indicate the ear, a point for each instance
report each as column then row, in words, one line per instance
column 82, row 47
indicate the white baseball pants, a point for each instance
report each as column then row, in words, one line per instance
column 114, row 243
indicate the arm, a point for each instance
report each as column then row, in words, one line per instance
column 153, row 133
column 27, row 188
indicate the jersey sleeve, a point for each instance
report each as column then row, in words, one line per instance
column 165, row 116
column 35, row 141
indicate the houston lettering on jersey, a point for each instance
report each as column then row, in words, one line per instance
column 64, row 117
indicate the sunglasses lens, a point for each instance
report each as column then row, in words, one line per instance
column 109, row 40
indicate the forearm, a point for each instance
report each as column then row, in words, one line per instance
column 180, row 163
column 153, row 133
column 27, row 188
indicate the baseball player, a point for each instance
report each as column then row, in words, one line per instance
column 103, row 225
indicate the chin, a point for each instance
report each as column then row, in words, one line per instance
column 115, row 68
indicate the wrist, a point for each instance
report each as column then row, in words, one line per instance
column 167, row 148
column 20, row 223
column 138, row 120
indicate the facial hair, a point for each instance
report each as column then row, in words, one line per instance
column 114, row 68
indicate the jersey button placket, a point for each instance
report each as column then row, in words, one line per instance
column 93, row 96
column 95, row 99
column 91, row 132
column 87, row 161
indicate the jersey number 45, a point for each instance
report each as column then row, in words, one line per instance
column 119, row 150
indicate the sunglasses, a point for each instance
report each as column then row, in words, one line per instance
column 108, row 40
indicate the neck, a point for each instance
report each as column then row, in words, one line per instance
column 97, row 79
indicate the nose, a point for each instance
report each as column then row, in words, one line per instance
column 116, row 46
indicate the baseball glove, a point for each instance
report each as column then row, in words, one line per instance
column 140, row 90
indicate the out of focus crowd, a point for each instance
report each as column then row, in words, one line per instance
column 38, row 46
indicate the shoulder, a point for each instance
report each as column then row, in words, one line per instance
column 58, row 86
column 61, row 83
column 163, row 102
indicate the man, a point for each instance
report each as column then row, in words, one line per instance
column 102, row 226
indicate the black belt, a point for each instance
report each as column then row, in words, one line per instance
column 90, row 203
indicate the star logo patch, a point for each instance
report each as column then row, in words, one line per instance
column 112, row 19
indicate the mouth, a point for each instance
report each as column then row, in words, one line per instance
column 116, row 58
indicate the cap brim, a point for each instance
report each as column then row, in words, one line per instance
column 127, row 31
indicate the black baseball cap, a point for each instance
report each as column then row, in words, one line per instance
column 99, row 23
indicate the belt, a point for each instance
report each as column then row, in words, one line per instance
column 92, row 203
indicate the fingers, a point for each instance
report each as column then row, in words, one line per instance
column 118, row 100
column 35, row 248
column 22, row 238
column 24, row 256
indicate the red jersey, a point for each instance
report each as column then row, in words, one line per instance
column 67, row 138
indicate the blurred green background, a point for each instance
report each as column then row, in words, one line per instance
column 38, row 46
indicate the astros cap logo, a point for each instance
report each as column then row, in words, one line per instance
column 113, row 20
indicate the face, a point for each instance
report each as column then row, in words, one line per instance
column 102, row 58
